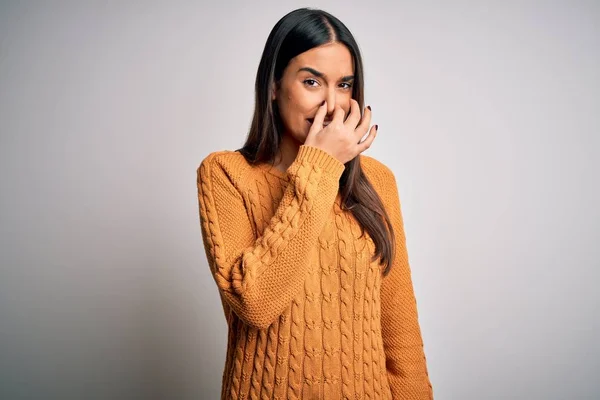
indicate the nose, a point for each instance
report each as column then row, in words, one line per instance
column 331, row 102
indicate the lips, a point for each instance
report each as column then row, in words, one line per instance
column 325, row 123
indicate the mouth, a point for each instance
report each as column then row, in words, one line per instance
column 325, row 122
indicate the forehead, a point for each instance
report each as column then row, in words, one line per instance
column 333, row 59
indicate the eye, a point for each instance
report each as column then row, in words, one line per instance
column 306, row 81
column 347, row 87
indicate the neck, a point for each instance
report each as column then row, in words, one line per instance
column 287, row 152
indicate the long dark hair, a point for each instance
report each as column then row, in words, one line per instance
column 295, row 33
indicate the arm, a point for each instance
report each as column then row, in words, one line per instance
column 405, row 359
column 258, row 277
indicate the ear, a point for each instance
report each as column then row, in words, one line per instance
column 274, row 92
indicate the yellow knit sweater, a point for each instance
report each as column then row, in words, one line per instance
column 309, row 315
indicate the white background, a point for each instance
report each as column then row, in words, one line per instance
column 489, row 117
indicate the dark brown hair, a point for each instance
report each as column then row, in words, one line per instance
column 295, row 33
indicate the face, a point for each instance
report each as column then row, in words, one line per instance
column 321, row 73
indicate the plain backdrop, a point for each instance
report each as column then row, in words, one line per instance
column 489, row 117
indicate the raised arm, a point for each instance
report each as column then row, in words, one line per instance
column 259, row 276
column 403, row 346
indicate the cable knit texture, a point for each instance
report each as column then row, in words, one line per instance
column 310, row 316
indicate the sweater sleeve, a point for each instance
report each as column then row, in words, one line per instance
column 403, row 345
column 259, row 276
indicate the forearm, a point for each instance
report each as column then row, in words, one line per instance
column 260, row 279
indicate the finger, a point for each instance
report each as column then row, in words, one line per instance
column 354, row 116
column 365, row 144
column 363, row 127
column 319, row 118
column 338, row 114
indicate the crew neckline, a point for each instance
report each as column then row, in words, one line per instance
column 271, row 169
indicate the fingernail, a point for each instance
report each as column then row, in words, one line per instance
column 376, row 127
column 323, row 103
column 369, row 107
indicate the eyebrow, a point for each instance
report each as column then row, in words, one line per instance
column 322, row 75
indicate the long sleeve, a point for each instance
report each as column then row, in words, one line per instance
column 403, row 345
column 259, row 276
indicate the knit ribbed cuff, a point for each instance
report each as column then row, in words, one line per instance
column 316, row 156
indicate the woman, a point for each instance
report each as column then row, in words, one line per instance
column 304, row 235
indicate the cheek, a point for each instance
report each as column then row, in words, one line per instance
column 290, row 113
column 296, row 104
column 297, row 109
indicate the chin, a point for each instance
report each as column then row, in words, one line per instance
column 299, row 137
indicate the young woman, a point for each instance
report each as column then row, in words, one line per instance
column 304, row 234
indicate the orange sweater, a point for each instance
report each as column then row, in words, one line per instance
column 309, row 316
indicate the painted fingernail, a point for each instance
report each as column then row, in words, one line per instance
column 323, row 103
column 376, row 127
column 369, row 107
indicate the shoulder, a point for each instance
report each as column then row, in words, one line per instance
column 376, row 171
column 225, row 158
column 223, row 166
column 233, row 162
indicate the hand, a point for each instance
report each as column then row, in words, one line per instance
column 341, row 138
